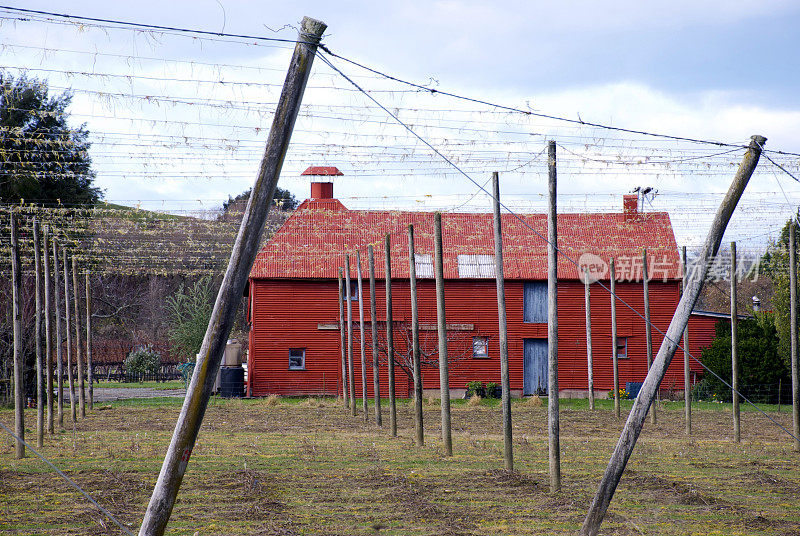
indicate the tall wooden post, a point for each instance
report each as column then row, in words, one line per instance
column 376, row 383
column 59, row 353
column 419, row 432
column 362, row 342
column 351, row 380
column 589, row 359
column 244, row 251
column 48, row 330
column 687, row 385
column 636, row 417
column 19, row 358
column 37, row 262
column 390, row 337
column 552, row 324
column 89, row 363
column 648, row 327
column 343, row 342
column 68, row 330
column 500, row 283
column 441, row 326
column 737, row 437
column 793, row 336
column 614, row 355
column 76, row 289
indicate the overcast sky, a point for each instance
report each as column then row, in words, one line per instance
column 720, row 70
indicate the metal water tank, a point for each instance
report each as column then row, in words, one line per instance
column 233, row 354
column 231, row 382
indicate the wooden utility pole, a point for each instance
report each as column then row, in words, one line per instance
column 648, row 328
column 614, row 355
column 230, row 294
column 89, row 363
column 19, row 358
column 793, row 337
column 589, row 362
column 636, row 417
column 351, row 380
column 552, row 324
column 48, row 330
column 376, row 383
column 343, row 342
column 687, row 386
column 500, row 283
column 362, row 341
column 37, row 264
column 76, row 289
column 68, row 330
column 419, row 433
column 441, row 326
column 390, row 337
column 737, row 437
column 59, row 353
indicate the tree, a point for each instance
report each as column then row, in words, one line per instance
column 233, row 208
column 189, row 310
column 759, row 359
column 42, row 159
column 776, row 264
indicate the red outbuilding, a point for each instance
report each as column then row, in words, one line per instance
column 295, row 345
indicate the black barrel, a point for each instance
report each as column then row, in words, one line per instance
column 231, row 382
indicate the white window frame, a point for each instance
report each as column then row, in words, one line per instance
column 477, row 342
column 622, row 342
column 302, row 358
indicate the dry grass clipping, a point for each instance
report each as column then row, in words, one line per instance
column 534, row 401
column 474, row 400
column 272, row 400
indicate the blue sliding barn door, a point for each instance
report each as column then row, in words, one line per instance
column 534, row 374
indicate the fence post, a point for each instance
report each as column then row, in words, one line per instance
column 76, row 289
column 637, row 415
column 89, row 363
column 364, row 399
column 19, row 358
column 648, row 329
column 48, row 330
column 687, row 386
column 351, row 383
column 614, row 355
column 793, row 329
column 37, row 262
column 376, row 383
column 589, row 359
column 342, row 343
column 230, row 294
column 390, row 338
column 735, row 349
column 68, row 330
column 412, row 276
column 441, row 326
column 59, row 352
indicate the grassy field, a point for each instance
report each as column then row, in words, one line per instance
column 308, row 467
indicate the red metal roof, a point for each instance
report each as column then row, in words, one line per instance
column 322, row 170
column 313, row 241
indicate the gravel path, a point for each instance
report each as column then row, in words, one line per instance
column 107, row 394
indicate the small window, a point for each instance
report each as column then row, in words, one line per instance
column 297, row 358
column 477, row 266
column 622, row 347
column 353, row 291
column 480, row 347
column 423, row 264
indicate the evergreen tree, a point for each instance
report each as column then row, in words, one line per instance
column 42, row 159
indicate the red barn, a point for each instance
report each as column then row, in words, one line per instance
column 295, row 346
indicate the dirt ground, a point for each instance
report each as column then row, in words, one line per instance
column 311, row 468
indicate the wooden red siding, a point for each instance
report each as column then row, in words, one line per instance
column 286, row 314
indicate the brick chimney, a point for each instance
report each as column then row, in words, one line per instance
column 630, row 207
column 321, row 185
